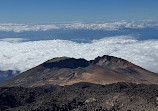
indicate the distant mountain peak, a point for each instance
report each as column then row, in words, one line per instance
column 67, row 71
column 72, row 63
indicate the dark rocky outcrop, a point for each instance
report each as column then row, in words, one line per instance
column 81, row 97
column 66, row 63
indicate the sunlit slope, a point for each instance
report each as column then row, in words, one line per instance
column 67, row 71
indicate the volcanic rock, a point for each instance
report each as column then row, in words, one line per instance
column 67, row 71
column 81, row 97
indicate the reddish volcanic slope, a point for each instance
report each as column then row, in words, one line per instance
column 67, row 71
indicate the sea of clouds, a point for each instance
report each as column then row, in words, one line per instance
column 20, row 55
column 77, row 25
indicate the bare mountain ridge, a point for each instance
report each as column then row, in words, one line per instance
column 67, row 71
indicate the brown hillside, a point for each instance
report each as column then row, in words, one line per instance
column 67, row 71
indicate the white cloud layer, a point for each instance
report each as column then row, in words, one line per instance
column 23, row 27
column 13, row 40
column 77, row 25
column 25, row 55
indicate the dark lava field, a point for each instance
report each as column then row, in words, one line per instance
column 81, row 97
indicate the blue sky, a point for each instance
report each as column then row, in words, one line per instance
column 45, row 11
